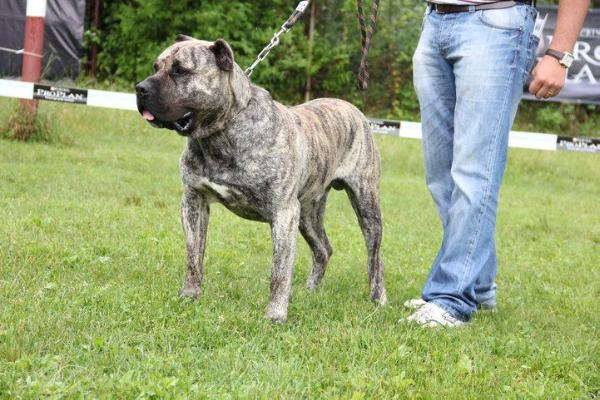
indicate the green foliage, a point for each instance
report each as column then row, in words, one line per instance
column 133, row 33
column 564, row 119
column 92, row 256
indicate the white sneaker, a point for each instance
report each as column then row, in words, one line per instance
column 414, row 304
column 432, row 315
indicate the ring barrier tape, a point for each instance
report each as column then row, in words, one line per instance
column 403, row 129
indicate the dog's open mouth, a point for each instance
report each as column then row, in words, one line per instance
column 182, row 125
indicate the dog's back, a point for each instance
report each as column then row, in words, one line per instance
column 337, row 143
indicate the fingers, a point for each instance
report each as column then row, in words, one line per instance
column 535, row 86
column 549, row 90
column 544, row 89
column 548, row 79
column 545, row 92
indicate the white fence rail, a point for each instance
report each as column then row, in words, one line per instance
column 404, row 129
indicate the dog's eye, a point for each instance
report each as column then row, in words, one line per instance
column 155, row 67
column 178, row 70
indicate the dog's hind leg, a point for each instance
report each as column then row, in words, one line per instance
column 312, row 228
column 194, row 218
column 365, row 201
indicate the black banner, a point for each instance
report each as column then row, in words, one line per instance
column 63, row 95
column 583, row 145
column 385, row 126
column 583, row 80
column 62, row 40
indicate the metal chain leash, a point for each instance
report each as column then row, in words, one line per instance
column 275, row 40
column 265, row 52
column 366, row 30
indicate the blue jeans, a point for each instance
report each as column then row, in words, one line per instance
column 469, row 72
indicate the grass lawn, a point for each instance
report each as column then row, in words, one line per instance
column 92, row 257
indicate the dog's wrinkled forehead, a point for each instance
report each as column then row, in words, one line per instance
column 189, row 54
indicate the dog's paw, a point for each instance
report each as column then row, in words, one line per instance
column 314, row 280
column 189, row 292
column 276, row 314
column 311, row 284
column 277, row 319
column 379, row 297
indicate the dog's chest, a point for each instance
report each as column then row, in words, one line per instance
column 221, row 191
column 238, row 198
column 214, row 189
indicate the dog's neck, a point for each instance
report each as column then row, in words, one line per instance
column 221, row 143
column 216, row 141
column 239, row 98
column 219, row 139
column 217, row 149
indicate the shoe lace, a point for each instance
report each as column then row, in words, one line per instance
column 448, row 317
column 430, row 314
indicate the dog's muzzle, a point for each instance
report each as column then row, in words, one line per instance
column 143, row 93
column 182, row 126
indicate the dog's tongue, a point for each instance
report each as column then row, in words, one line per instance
column 147, row 115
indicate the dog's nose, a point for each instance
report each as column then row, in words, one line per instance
column 142, row 88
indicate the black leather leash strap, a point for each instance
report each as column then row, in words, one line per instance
column 366, row 35
column 454, row 8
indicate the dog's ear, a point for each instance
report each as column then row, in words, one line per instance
column 183, row 38
column 223, row 55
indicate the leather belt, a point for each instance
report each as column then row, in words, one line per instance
column 455, row 8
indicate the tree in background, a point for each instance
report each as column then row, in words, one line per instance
column 133, row 32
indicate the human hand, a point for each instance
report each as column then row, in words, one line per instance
column 548, row 78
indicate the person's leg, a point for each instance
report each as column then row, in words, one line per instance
column 434, row 85
column 485, row 285
column 488, row 51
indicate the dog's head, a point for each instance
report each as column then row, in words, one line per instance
column 195, row 86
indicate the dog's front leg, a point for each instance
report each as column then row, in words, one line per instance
column 284, row 232
column 194, row 218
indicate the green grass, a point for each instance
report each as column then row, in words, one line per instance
column 92, row 257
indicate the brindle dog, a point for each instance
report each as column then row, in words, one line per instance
column 263, row 161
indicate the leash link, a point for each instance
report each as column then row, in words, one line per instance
column 291, row 21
